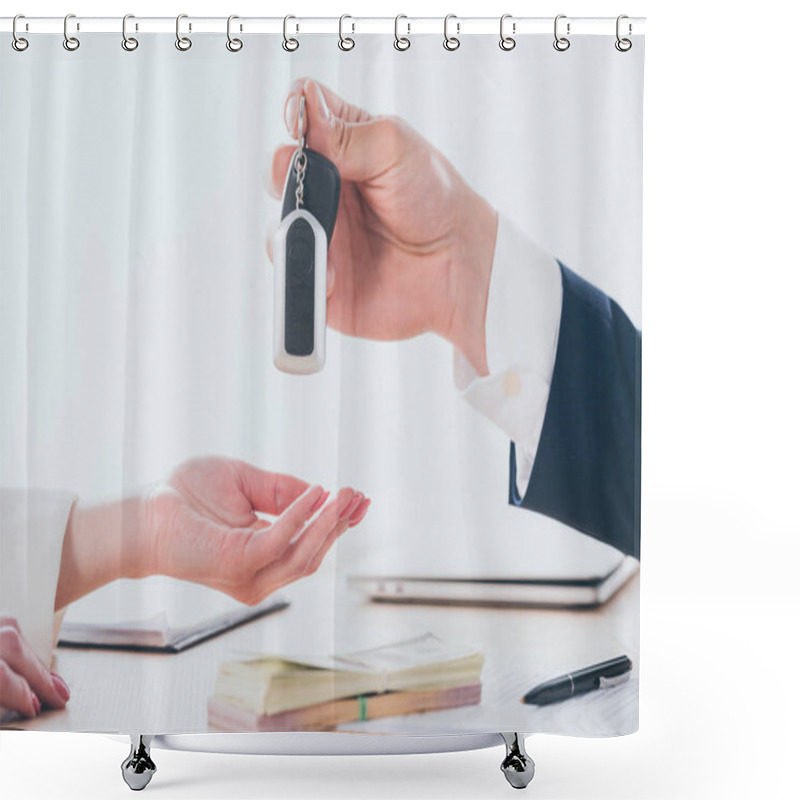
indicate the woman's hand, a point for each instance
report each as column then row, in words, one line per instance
column 413, row 245
column 26, row 684
column 201, row 525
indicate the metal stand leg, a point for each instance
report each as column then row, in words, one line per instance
column 138, row 768
column 517, row 766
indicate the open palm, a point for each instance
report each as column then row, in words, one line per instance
column 204, row 527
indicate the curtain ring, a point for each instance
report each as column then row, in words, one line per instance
column 289, row 44
column 181, row 42
column 233, row 44
column 346, row 42
column 451, row 42
column 18, row 42
column 507, row 42
column 401, row 42
column 623, row 45
column 128, row 42
column 561, row 43
column 70, row 42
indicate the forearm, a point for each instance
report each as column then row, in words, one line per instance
column 101, row 544
column 470, row 274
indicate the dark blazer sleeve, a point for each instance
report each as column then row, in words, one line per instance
column 587, row 468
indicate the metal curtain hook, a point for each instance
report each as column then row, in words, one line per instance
column 18, row 42
column 561, row 43
column 623, row 45
column 233, row 44
column 451, row 42
column 70, row 42
column 128, row 42
column 346, row 42
column 401, row 42
column 507, row 42
column 290, row 44
column 181, row 42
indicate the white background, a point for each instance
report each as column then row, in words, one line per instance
column 719, row 604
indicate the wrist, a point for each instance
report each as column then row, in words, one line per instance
column 102, row 543
column 470, row 273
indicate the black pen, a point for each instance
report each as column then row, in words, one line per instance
column 600, row 676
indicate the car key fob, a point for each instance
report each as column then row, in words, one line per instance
column 321, row 186
column 300, row 250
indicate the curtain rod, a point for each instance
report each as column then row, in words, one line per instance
column 462, row 26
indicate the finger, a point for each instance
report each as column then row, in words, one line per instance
column 340, row 527
column 321, row 104
column 361, row 146
column 15, row 693
column 293, row 563
column 270, row 249
column 266, row 546
column 360, row 512
column 270, row 492
column 331, row 104
column 281, row 159
column 345, row 521
column 20, row 657
column 311, row 550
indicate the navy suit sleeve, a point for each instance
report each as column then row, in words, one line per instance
column 588, row 463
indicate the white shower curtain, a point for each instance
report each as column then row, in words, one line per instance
column 143, row 419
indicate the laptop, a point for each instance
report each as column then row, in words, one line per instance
column 508, row 559
column 568, row 591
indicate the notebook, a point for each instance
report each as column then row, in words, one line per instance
column 156, row 614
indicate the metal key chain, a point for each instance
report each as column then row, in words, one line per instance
column 310, row 203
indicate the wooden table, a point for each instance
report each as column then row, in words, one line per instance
column 127, row 692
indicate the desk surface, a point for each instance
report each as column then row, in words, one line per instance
column 129, row 692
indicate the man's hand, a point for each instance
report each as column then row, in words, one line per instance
column 413, row 245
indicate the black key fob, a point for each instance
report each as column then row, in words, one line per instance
column 321, row 186
column 300, row 251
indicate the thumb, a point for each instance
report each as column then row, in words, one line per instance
column 361, row 146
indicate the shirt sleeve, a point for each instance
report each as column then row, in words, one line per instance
column 523, row 313
column 32, row 527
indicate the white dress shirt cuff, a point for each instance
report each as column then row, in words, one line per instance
column 522, row 320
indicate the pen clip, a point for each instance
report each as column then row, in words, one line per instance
column 608, row 683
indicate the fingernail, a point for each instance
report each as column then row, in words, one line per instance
column 362, row 513
column 323, row 106
column 61, row 687
column 352, row 505
column 290, row 114
column 320, row 502
column 37, row 706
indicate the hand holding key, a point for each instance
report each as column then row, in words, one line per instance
column 413, row 244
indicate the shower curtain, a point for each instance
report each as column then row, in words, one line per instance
column 410, row 537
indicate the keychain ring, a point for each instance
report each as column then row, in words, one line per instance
column 18, row 42
column 71, row 43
